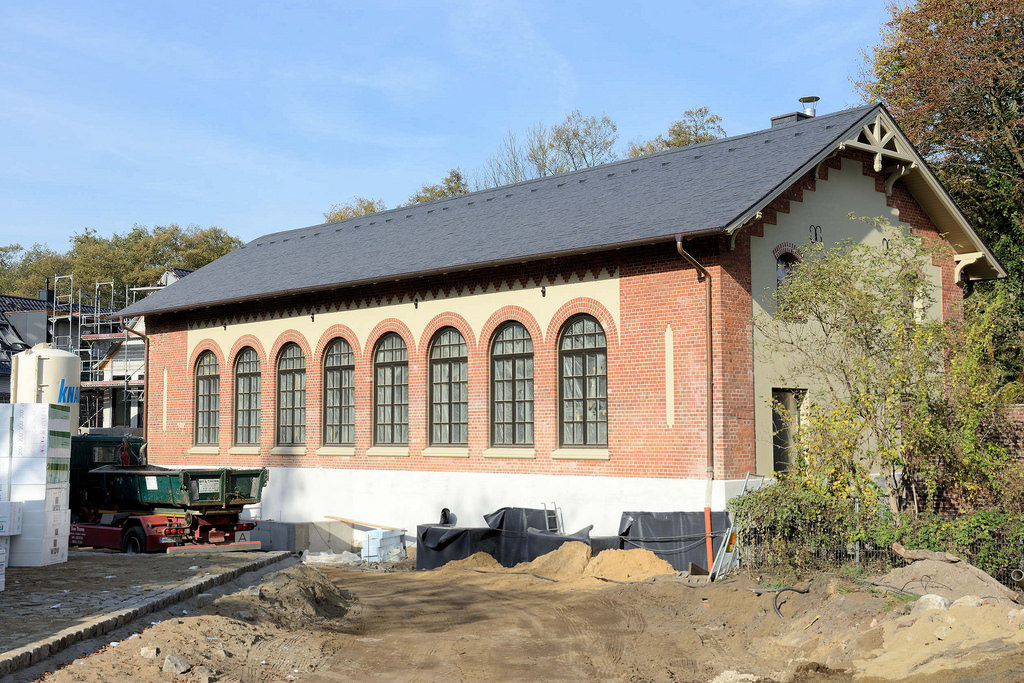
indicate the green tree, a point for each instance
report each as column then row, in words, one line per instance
column 452, row 185
column 952, row 74
column 10, row 260
column 888, row 384
column 697, row 125
column 135, row 258
column 358, row 206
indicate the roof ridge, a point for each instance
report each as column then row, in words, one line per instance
column 546, row 179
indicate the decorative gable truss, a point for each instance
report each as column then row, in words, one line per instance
column 895, row 156
column 881, row 139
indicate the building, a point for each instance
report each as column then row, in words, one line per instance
column 536, row 343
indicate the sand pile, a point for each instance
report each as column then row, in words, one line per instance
column 628, row 565
column 567, row 562
column 573, row 561
column 950, row 580
column 479, row 560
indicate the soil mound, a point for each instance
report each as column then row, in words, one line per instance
column 637, row 564
column 479, row 560
column 950, row 580
column 566, row 562
column 295, row 597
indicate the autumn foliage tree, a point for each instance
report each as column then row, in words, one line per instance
column 952, row 74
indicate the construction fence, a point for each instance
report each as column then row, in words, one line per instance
column 761, row 550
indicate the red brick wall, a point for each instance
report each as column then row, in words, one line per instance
column 657, row 289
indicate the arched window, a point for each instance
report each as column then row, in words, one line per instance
column 449, row 395
column 207, row 399
column 291, row 396
column 247, row 397
column 339, row 394
column 391, row 391
column 583, row 379
column 512, row 386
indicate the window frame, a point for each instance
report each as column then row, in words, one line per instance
column 254, row 394
column 453, row 428
column 509, row 384
column 400, row 367
column 207, row 386
column 290, row 418
column 339, row 358
column 601, row 353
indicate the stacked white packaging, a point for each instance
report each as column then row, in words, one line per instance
column 39, row 468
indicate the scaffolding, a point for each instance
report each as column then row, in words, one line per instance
column 111, row 358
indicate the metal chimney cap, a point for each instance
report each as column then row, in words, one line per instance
column 809, row 103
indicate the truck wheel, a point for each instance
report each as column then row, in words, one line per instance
column 134, row 541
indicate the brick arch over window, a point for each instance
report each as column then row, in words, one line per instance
column 590, row 307
column 787, row 248
column 204, row 345
column 334, row 332
column 443, row 320
column 504, row 315
column 242, row 342
column 383, row 327
column 284, row 338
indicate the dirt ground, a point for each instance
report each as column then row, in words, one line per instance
column 623, row 616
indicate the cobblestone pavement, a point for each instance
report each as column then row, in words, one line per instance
column 41, row 601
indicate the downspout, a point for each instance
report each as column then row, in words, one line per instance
column 705, row 276
column 145, row 382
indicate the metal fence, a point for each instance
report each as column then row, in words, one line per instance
column 762, row 551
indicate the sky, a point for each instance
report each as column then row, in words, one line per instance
column 257, row 116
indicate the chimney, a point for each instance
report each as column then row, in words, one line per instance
column 810, row 104
column 796, row 116
column 46, row 294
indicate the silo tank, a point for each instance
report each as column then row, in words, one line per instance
column 45, row 375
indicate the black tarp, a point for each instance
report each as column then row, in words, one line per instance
column 439, row 544
column 676, row 537
column 512, row 536
column 515, row 535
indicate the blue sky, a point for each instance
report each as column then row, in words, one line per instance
column 257, row 116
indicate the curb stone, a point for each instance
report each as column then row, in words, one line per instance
column 33, row 653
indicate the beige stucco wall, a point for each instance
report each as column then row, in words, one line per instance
column 829, row 206
column 476, row 307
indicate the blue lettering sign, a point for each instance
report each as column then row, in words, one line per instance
column 67, row 394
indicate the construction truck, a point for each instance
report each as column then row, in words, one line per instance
column 120, row 501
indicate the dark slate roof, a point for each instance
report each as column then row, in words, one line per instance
column 10, row 303
column 180, row 272
column 691, row 191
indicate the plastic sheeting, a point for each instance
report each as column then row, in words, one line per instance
column 512, row 536
column 676, row 537
column 515, row 535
